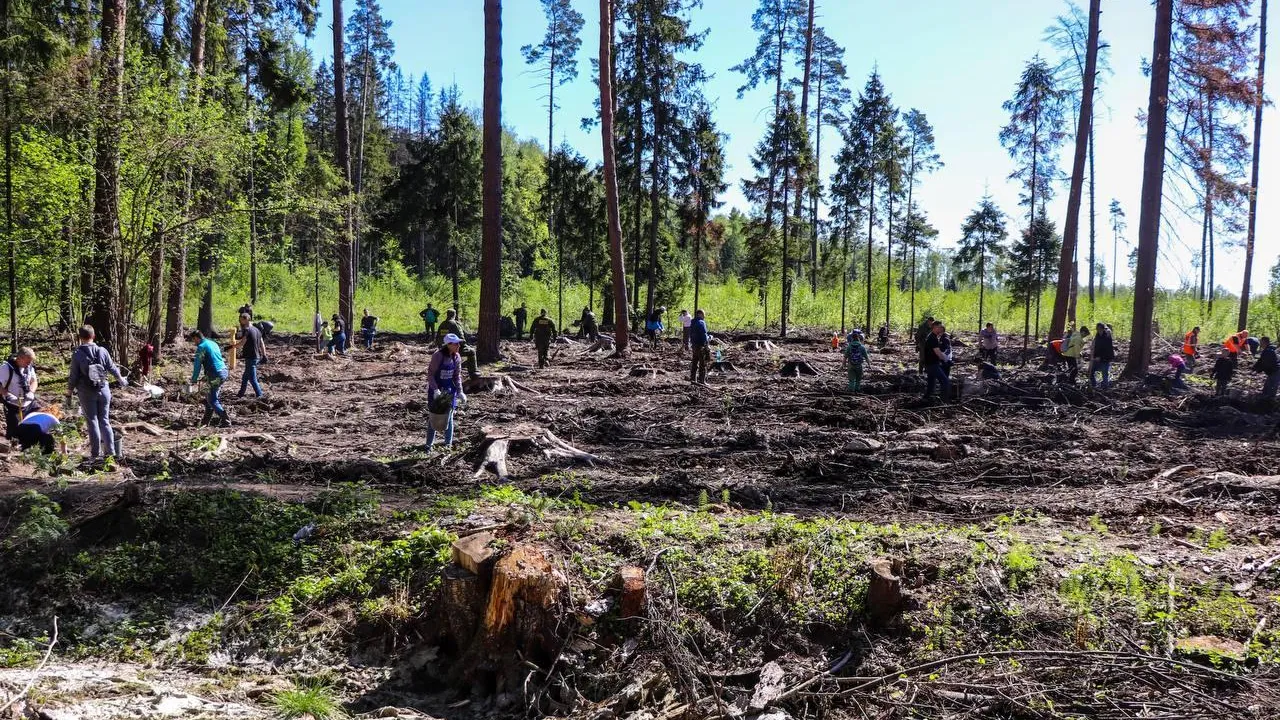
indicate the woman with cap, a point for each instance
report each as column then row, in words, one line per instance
column 339, row 340
column 444, row 375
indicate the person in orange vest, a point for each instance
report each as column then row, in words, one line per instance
column 1191, row 345
column 1235, row 342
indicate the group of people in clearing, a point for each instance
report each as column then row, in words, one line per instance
column 33, row 424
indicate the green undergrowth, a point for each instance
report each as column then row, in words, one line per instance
column 194, row 573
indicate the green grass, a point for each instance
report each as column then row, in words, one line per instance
column 287, row 298
column 307, row 699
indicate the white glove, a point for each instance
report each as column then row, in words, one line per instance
column 124, row 382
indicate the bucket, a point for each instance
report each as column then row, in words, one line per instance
column 440, row 421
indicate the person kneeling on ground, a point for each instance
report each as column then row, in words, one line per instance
column 1179, row 366
column 1223, row 370
column 1268, row 365
column 37, row 428
column 339, row 339
column 855, row 353
column 444, row 377
column 700, row 341
column 208, row 360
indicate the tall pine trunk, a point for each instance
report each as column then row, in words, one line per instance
column 1071, row 230
column 1260, row 101
column 616, row 261
column 801, row 182
column 11, row 242
column 178, row 258
column 491, row 252
column 342, row 155
column 105, row 313
column 1144, row 283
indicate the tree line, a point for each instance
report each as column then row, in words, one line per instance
column 184, row 139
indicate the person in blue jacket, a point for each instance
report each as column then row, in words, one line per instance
column 444, row 375
column 208, row 359
column 700, row 341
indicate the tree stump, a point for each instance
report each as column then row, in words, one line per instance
column 519, row 613
column 884, row 593
column 499, row 443
column 759, row 345
column 461, row 604
column 631, row 579
column 724, row 366
column 796, row 368
column 496, row 384
column 602, row 343
column 644, row 371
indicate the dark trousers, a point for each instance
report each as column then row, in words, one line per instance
column 698, row 367
column 544, row 346
column 1073, row 368
column 11, row 420
column 519, row 330
column 989, row 355
column 29, row 436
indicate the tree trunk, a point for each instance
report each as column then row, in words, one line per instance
column 1093, row 217
column 342, row 153
column 155, row 288
column 637, row 181
column 1243, row 321
column 11, row 242
column 888, row 264
column 618, row 266
column 844, row 275
column 801, row 182
column 786, row 254
column 1071, row 230
column 871, row 223
column 655, row 187
column 204, row 320
column 104, row 303
column 491, row 254
column 67, row 267
column 1144, row 283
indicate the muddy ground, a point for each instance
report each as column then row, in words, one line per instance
column 1183, row 482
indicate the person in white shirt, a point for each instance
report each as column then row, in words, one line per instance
column 17, row 388
column 685, row 321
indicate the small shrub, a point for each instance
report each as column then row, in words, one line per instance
column 312, row 699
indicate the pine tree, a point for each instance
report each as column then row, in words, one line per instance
column 608, row 101
column 831, row 98
column 1032, row 137
column 877, row 160
column 106, row 313
column 702, row 170
column 981, row 248
column 556, row 60
column 922, row 158
column 1033, row 261
column 1117, row 230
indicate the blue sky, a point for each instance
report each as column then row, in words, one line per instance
column 955, row 60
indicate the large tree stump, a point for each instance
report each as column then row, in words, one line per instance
column 496, row 384
column 498, row 444
column 796, row 368
column 519, row 615
column 602, row 343
column 759, row 345
column 884, row 593
column 644, row 371
column 631, row 580
column 724, row 366
column 461, row 604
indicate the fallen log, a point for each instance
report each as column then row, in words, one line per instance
column 796, row 368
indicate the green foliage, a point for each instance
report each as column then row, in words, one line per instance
column 39, row 530
column 1020, row 565
column 309, row 698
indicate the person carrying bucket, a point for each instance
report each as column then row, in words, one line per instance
column 444, row 389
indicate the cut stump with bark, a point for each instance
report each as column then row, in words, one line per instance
column 644, row 371
column 603, row 343
column 631, row 580
column 498, row 443
column 885, row 600
column 496, row 384
column 724, row 367
column 759, row 345
column 796, row 368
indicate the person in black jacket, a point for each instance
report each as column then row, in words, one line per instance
column 1268, row 365
column 1223, row 370
column 1103, row 354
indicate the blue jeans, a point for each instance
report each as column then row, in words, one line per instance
column 1105, row 369
column 211, row 402
column 95, row 405
column 937, row 375
column 250, row 377
column 339, row 341
column 368, row 338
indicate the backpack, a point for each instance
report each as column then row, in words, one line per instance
column 97, row 372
